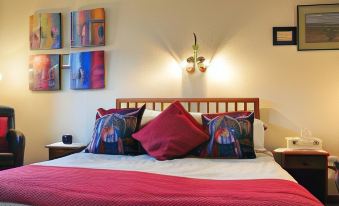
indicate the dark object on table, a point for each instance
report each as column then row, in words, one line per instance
column 12, row 142
column 67, row 139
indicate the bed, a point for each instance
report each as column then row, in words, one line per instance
column 97, row 179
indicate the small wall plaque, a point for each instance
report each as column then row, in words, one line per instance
column 284, row 35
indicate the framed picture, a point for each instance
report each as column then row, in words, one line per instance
column 88, row 28
column 284, row 35
column 44, row 72
column 65, row 61
column 45, row 31
column 318, row 27
column 87, row 70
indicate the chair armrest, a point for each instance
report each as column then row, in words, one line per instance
column 16, row 142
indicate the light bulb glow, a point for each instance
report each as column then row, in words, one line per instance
column 220, row 70
column 183, row 64
column 174, row 69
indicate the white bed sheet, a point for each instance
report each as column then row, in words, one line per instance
column 263, row 167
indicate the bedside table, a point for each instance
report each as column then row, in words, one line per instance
column 60, row 149
column 308, row 167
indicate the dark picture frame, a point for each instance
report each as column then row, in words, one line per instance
column 284, row 36
column 318, row 27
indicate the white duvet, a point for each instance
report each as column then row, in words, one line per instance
column 263, row 167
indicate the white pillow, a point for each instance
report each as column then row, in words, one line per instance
column 148, row 116
column 151, row 114
column 258, row 135
column 197, row 116
column 258, row 126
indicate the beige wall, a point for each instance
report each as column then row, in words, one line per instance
column 147, row 39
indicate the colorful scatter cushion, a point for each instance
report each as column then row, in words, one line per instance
column 206, row 118
column 113, row 135
column 171, row 134
column 135, row 112
column 258, row 126
column 229, row 137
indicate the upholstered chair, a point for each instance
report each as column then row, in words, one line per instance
column 12, row 142
column 336, row 166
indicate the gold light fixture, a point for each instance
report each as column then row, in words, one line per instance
column 194, row 61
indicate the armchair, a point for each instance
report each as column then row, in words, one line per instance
column 336, row 165
column 12, row 142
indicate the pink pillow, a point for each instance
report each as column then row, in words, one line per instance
column 3, row 126
column 173, row 133
column 3, row 133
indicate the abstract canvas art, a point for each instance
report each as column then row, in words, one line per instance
column 44, row 72
column 87, row 70
column 45, row 31
column 88, row 28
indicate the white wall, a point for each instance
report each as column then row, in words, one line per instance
column 147, row 39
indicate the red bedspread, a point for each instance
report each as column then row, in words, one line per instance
column 42, row 185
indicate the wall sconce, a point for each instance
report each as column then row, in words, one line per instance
column 194, row 61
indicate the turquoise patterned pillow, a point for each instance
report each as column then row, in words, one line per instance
column 230, row 138
column 113, row 135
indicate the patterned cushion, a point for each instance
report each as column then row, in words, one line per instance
column 206, row 118
column 113, row 135
column 135, row 112
column 3, row 133
column 258, row 126
column 229, row 138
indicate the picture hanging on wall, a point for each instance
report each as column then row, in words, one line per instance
column 45, row 31
column 88, row 28
column 87, row 70
column 284, row 36
column 44, row 72
column 318, row 27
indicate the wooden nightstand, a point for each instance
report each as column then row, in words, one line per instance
column 60, row 149
column 308, row 167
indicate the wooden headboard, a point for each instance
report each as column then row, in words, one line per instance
column 204, row 105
